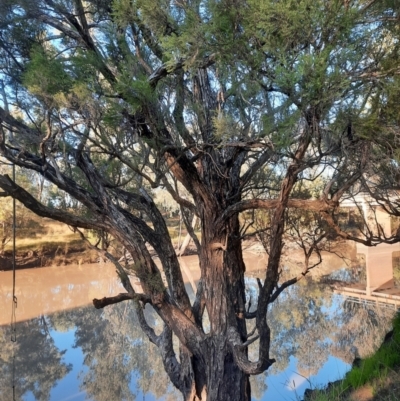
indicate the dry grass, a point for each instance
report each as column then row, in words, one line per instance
column 51, row 235
column 380, row 389
column 50, row 243
column 388, row 389
column 44, row 242
column 384, row 389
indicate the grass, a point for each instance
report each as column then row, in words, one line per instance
column 54, row 235
column 44, row 242
column 51, row 243
column 377, row 365
column 47, row 242
column 380, row 372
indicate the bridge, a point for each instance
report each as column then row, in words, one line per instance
column 392, row 301
column 379, row 270
column 374, row 215
column 378, row 259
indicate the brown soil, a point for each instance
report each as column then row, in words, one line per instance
column 58, row 255
column 51, row 255
column 387, row 389
column 364, row 393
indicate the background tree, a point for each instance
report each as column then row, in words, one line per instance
column 27, row 223
column 235, row 101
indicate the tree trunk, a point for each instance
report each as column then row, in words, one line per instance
column 226, row 381
column 217, row 379
column 222, row 267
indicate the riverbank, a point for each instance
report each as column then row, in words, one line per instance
column 60, row 247
column 58, row 253
column 46, row 243
column 51, row 243
column 50, row 253
column 376, row 378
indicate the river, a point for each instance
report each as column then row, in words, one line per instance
column 67, row 350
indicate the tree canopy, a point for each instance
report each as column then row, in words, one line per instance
column 229, row 106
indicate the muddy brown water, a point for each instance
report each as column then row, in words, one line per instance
column 47, row 290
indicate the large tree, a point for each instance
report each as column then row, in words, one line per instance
column 256, row 108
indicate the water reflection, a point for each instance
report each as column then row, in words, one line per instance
column 82, row 353
column 116, row 361
column 310, row 324
column 34, row 363
column 379, row 275
column 120, row 361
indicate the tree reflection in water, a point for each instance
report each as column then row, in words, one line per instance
column 38, row 362
column 307, row 322
column 311, row 324
column 116, row 354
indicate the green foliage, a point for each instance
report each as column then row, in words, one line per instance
column 45, row 74
column 137, row 90
column 151, row 280
column 124, row 11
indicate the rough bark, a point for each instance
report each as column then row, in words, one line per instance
column 171, row 130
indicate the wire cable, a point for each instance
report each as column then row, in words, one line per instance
column 14, row 297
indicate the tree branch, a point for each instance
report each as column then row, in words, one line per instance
column 170, row 362
column 103, row 302
column 181, row 201
column 371, row 240
column 315, row 205
column 80, row 33
column 264, row 157
column 160, row 241
column 239, row 350
column 31, row 203
column 167, row 69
